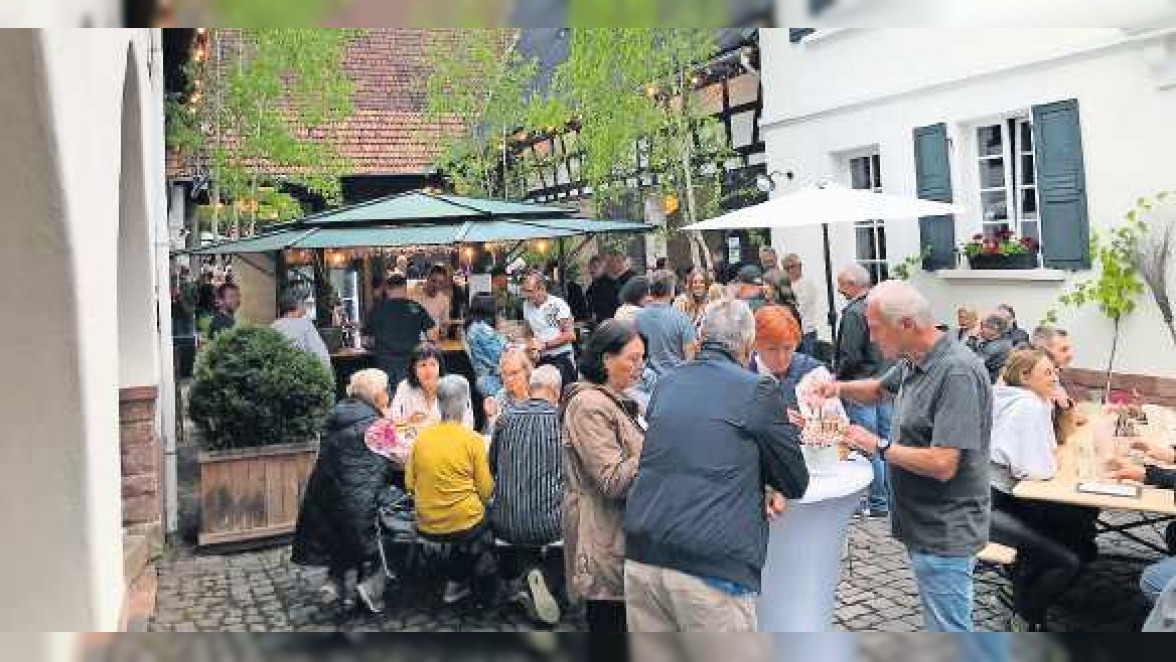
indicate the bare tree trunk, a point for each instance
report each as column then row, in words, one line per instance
column 699, row 255
column 1111, row 359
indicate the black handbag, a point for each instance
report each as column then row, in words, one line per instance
column 396, row 514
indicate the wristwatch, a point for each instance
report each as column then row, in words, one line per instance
column 883, row 446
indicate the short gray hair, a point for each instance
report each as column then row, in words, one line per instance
column 453, row 397
column 662, row 284
column 856, row 274
column 996, row 321
column 546, row 376
column 1045, row 335
column 897, row 300
column 767, row 248
column 729, row 323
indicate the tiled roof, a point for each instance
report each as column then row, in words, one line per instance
column 387, row 133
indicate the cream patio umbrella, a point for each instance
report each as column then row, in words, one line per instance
column 825, row 204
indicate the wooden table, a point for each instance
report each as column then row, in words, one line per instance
column 1154, row 505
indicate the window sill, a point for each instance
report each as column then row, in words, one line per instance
column 824, row 34
column 1003, row 275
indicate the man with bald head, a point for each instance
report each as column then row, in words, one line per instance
column 937, row 455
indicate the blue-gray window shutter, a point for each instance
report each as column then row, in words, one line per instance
column 933, row 182
column 796, row 34
column 1061, row 185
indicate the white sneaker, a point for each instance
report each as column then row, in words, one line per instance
column 542, row 603
column 455, row 592
column 330, row 592
column 371, row 592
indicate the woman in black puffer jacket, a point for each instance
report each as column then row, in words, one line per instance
column 336, row 524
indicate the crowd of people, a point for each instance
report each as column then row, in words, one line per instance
column 654, row 451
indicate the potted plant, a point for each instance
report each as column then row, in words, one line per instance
column 1001, row 250
column 257, row 403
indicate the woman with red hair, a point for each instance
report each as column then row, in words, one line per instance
column 777, row 335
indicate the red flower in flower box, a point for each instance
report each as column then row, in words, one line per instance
column 991, row 247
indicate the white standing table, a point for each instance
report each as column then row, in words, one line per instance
column 805, row 546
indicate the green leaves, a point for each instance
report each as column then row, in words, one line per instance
column 263, row 106
column 622, row 91
column 1116, row 288
column 252, row 387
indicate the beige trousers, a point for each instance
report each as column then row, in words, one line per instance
column 664, row 600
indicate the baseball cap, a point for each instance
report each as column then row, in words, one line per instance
column 750, row 275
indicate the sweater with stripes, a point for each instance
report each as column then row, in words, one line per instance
column 527, row 463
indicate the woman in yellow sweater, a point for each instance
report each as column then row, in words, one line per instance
column 449, row 477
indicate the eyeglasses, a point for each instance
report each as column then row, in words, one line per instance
column 794, row 265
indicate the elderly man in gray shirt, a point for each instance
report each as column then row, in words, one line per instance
column 938, row 451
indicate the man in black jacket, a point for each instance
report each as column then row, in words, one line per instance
column 602, row 291
column 855, row 357
column 695, row 524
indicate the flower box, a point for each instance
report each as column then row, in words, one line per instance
column 1017, row 261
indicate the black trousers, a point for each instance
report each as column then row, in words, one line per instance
column 1051, row 541
column 567, row 367
column 606, row 616
column 470, row 559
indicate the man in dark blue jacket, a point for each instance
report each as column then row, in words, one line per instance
column 695, row 523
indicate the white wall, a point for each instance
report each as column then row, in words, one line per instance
column 60, row 475
column 60, row 13
column 864, row 88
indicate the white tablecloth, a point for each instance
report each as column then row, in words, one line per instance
column 804, row 551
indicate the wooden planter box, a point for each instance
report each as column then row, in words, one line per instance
column 1021, row 261
column 252, row 493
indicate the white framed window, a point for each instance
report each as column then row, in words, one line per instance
column 1007, row 177
column 865, row 172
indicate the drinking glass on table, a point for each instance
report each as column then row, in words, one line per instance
column 1102, row 449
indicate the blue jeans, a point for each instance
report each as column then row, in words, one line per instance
column 808, row 343
column 983, row 646
column 1156, row 577
column 876, row 419
column 945, row 590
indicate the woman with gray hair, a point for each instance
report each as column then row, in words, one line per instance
column 335, row 521
column 448, row 475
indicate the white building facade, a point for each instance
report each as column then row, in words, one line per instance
column 1054, row 133
column 85, row 354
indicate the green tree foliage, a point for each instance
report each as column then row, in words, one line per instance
column 629, row 94
column 261, row 102
column 482, row 84
column 1115, row 290
column 254, row 388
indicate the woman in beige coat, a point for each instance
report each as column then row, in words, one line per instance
column 602, row 438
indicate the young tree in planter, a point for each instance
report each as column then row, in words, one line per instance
column 254, row 388
column 1125, row 259
column 262, row 101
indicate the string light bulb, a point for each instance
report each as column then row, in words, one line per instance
column 542, row 246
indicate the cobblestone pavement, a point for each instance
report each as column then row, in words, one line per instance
column 262, row 591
